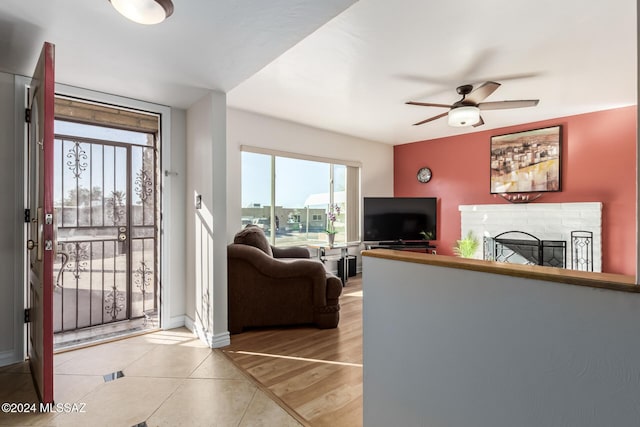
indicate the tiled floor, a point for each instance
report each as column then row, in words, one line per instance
column 170, row 379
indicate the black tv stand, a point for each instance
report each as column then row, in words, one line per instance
column 403, row 242
column 403, row 245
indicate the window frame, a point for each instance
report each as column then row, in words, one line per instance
column 352, row 187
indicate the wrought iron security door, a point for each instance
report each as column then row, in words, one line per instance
column 107, row 204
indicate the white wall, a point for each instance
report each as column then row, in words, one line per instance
column 175, row 239
column 10, row 215
column 206, row 290
column 451, row 347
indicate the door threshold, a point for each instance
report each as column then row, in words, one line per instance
column 73, row 340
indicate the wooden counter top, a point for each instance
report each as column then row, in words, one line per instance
column 616, row 282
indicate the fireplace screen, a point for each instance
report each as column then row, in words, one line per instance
column 517, row 247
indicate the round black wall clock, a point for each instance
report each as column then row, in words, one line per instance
column 424, row 175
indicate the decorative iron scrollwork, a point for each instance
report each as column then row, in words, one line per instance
column 77, row 157
column 144, row 185
column 116, row 206
column 114, row 302
column 142, row 281
column 78, row 256
column 582, row 250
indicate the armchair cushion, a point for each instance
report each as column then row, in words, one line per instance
column 253, row 235
column 290, row 252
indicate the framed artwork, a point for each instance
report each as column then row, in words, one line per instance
column 527, row 162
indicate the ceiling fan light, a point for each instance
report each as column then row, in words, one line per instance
column 147, row 12
column 464, row 116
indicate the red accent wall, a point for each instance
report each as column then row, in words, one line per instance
column 598, row 165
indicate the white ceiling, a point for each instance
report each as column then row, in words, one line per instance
column 204, row 45
column 354, row 74
column 351, row 75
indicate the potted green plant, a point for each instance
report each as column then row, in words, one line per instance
column 467, row 246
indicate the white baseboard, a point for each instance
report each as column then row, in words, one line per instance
column 8, row 358
column 221, row 340
column 213, row 341
column 188, row 323
column 174, row 322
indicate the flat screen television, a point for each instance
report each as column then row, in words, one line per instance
column 393, row 219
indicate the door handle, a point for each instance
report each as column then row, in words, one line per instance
column 36, row 230
column 59, row 248
column 65, row 261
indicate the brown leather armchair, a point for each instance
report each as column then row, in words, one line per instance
column 269, row 286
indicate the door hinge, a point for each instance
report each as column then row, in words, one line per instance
column 27, row 315
column 27, row 215
column 27, row 115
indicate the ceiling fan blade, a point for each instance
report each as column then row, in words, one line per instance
column 478, row 62
column 479, row 123
column 481, row 92
column 428, row 104
column 502, row 105
column 507, row 77
column 430, row 119
column 414, row 78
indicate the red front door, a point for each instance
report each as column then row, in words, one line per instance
column 41, row 229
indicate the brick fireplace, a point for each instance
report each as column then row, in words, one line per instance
column 546, row 221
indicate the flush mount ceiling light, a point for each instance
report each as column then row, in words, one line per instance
column 147, row 12
column 464, row 116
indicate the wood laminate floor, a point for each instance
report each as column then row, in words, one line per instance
column 316, row 373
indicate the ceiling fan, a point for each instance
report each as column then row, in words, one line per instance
column 466, row 111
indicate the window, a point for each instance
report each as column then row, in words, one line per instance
column 289, row 196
